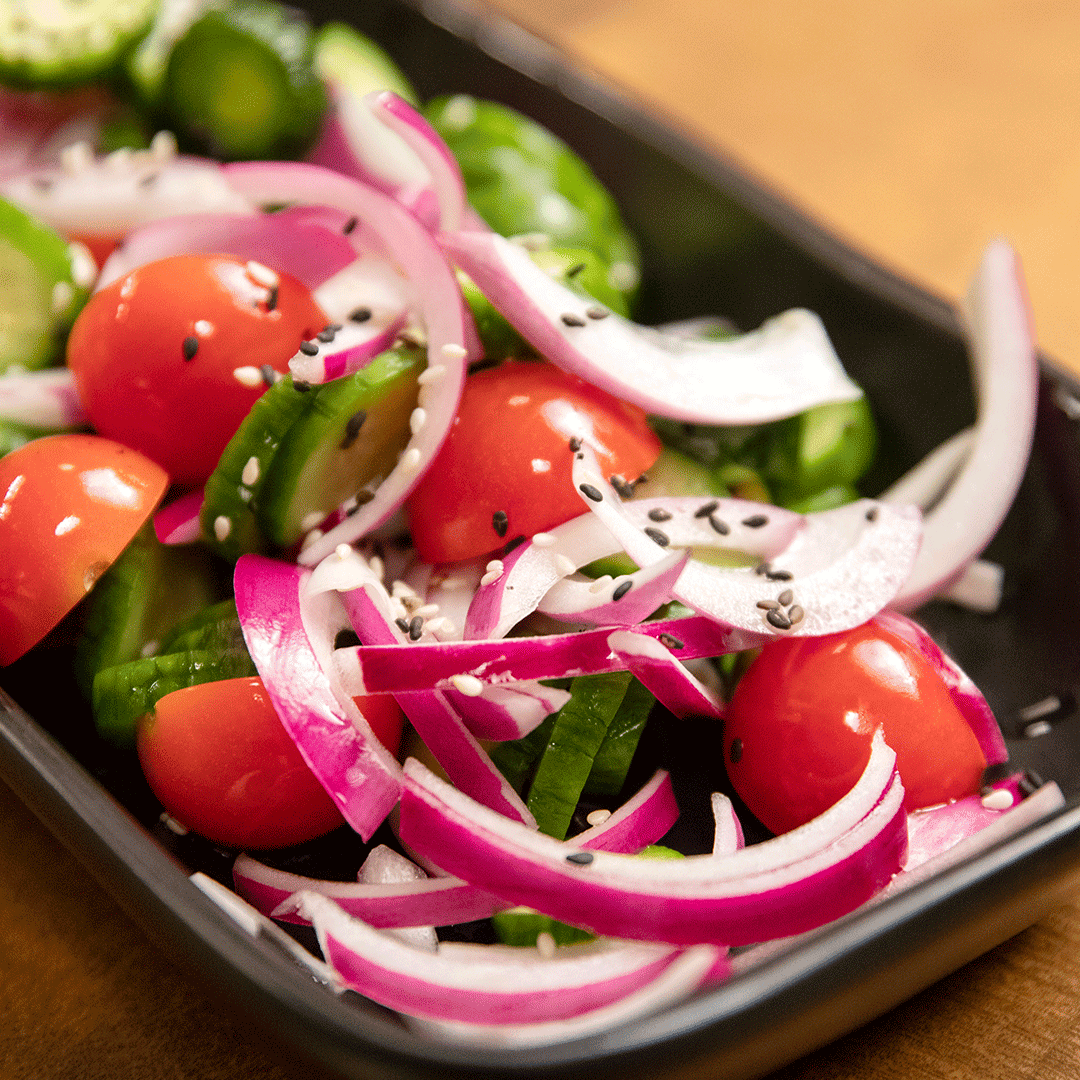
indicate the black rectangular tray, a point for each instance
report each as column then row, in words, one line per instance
column 715, row 241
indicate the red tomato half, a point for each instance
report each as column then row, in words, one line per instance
column 798, row 731
column 155, row 354
column 219, row 760
column 69, row 505
column 507, row 454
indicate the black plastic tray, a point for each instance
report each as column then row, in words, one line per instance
column 714, row 241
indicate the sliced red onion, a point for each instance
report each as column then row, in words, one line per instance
column 693, row 968
column 658, row 670
column 727, row 831
column 41, row 399
column 966, row 696
column 500, row 713
column 178, row 522
column 112, row 195
column 352, row 348
column 442, row 312
column 642, row 820
column 1002, row 346
column 786, row 885
column 285, row 242
column 842, row 566
column 979, row 587
column 481, row 984
column 445, row 172
column 290, row 636
column 785, row 367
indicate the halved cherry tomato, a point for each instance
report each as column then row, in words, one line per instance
column 504, row 470
column 798, row 730
column 219, row 760
column 156, row 354
column 69, row 505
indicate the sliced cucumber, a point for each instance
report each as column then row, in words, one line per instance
column 49, row 43
column 229, row 497
column 356, row 63
column 521, row 926
column 142, row 596
column 350, row 437
column 215, row 628
column 241, row 82
column 145, row 66
column 616, row 752
column 122, row 695
column 41, row 294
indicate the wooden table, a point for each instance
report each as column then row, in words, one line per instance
column 918, row 129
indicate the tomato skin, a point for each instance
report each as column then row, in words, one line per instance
column 127, row 351
column 805, row 713
column 69, row 505
column 507, row 451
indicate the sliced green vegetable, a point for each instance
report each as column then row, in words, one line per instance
column 125, row 693
column 354, row 61
column 522, row 926
column 579, row 731
column 612, row 760
column 54, row 43
column 215, row 628
column 146, row 592
column 13, row 435
column 349, row 437
column 241, row 83
column 44, row 287
column 516, row 759
column 146, row 65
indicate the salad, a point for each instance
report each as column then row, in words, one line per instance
column 381, row 523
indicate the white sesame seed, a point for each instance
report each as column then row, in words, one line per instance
column 598, row 817
column 454, row 584
column 163, row 146
column 1001, row 799
column 453, row 351
column 425, row 611
column 401, row 588
column 469, row 685
column 491, row 577
column 564, row 565
column 411, row 459
column 172, row 824
column 247, row 376
column 343, row 551
column 545, row 945
column 76, row 158
column 438, row 626
column 244, row 493
column 251, row 472
column 543, row 540
column 65, row 526
column 222, row 528
column 261, row 273
column 377, row 566
column 601, row 583
column 432, row 374
column 62, row 294
column 495, row 565
column 83, row 267
column 315, row 534
column 417, row 419
column 311, row 520
column 203, row 327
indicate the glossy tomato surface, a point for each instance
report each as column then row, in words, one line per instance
column 166, row 358
column 69, row 505
column 505, row 468
column 798, row 730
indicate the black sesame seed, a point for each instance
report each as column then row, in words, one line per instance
column 786, row 597
column 871, row 514
column 42, row 183
column 779, row 575
column 327, row 333
column 735, row 751
column 361, row 314
column 301, row 385
column 269, row 375
column 658, row 536
column 190, row 347
column 777, row 618
column 500, row 522
column 1029, row 783
column 707, row 510
column 350, row 225
column 796, row 614
column 659, row 514
column 622, row 486
column 309, row 348
column 364, row 496
column 574, row 444
column 346, row 639
column 670, row 641
column 272, row 298
column 762, row 568
column 755, row 521
column 597, row 312
column 149, row 180
column 402, row 625
column 622, row 590
column 590, row 492
column 721, row 527
column 570, row 319
column 511, row 545
column 352, row 428
column 580, row 858
column 416, row 628
column 574, row 270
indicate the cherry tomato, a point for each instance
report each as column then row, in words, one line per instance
column 219, row 760
column 69, row 505
column 798, row 730
column 156, row 354
column 504, row 470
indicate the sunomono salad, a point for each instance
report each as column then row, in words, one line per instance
column 326, row 422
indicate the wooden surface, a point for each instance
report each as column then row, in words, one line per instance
column 919, row 129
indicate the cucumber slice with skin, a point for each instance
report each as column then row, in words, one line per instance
column 145, row 66
column 351, row 436
column 45, row 286
column 613, row 758
column 215, row 628
column 355, row 62
column 54, row 43
column 122, row 695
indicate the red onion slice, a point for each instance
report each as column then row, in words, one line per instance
column 785, row 367
column 1002, row 346
column 41, row 399
column 442, row 310
column 283, row 241
column 290, row 636
column 792, row 883
column 500, row 713
column 178, row 522
column 353, row 347
column 727, row 831
column 656, row 667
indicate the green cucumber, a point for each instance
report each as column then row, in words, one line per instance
column 356, row 63
column 516, row 759
column 229, row 497
column 13, row 435
column 241, row 83
column 146, row 65
column 215, row 628
column 146, row 592
column 578, row 734
column 122, row 695
column 613, row 758
column 66, row 42
column 44, row 289
column 521, row 926
column 350, row 436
